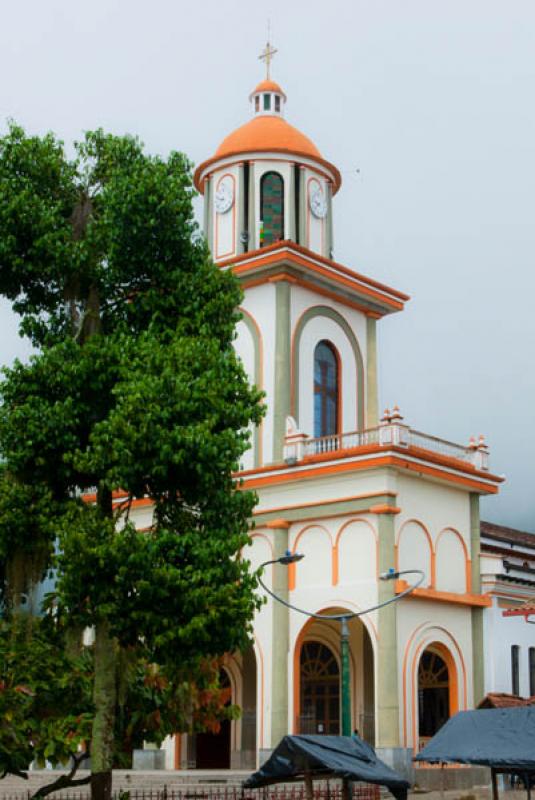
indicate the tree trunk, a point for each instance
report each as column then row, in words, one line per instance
column 105, row 698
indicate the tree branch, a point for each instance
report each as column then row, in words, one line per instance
column 16, row 772
column 64, row 781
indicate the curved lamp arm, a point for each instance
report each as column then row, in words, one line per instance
column 385, row 576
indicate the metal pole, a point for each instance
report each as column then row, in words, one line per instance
column 346, row 689
column 290, row 558
column 494, row 784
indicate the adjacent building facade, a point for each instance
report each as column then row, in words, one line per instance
column 508, row 577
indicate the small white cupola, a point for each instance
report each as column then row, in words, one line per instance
column 268, row 99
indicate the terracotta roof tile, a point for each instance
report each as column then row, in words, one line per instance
column 504, row 700
column 503, row 534
column 524, row 610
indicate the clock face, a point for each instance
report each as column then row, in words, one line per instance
column 224, row 197
column 318, row 204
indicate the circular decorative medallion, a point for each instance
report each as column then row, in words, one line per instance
column 318, row 203
column 224, row 198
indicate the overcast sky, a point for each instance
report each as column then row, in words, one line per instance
column 432, row 101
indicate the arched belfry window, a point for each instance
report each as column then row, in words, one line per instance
column 326, row 389
column 272, row 208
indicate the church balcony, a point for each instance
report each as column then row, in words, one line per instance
column 384, row 435
column 390, row 435
column 390, row 445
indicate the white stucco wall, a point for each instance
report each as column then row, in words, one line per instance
column 245, row 348
column 259, row 303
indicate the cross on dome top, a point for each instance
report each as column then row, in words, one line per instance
column 267, row 56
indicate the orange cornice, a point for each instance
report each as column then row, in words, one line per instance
column 317, row 503
column 383, row 508
column 340, row 279
column 339, row 298
column 281, row 276
column 291, row 250
column 328, row 170
column 480, row 600
column 415, row 452
column 278, row 524
column 259, row 478
column 119, row 498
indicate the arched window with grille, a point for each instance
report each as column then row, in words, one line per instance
column 320, row 690
column 271, row 208
column 433, row 694
column 326, row 389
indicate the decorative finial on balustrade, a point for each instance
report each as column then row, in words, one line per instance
column 385, row 419
column 479, row 452
column 294, row 442
column 396, row 415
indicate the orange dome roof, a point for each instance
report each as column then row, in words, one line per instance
column 268, row 86
column 267, row 133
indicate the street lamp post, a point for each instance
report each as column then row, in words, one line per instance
column 291, row 558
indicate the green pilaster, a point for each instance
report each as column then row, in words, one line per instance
column 280, row 639
column 241, row 209
column 346, row 678
column 372, row 396
column 387, row 734
column 208, row 215
column 281, row 397
column 252, row 208
column 475, row 542
column 290, row 234
column 478, row 667
column 329, row 239
column 302, row 208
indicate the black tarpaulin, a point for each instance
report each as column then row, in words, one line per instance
column 502, row 738
column 326, row 756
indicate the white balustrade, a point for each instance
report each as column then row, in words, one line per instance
column 390, row 433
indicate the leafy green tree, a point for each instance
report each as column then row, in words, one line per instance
column 45, row 704
column 46, row 707
column 135, row 387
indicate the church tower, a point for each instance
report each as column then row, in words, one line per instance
column 353, row 493
column 268, row 215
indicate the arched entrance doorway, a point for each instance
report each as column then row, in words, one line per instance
column 434, row 692
column 212, row 750
column 316, row 670
column 320, row 690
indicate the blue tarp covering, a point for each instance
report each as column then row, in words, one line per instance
column 503, row 738
column 346, row 757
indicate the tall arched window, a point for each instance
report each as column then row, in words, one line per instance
column 326, row 390
column 433, row 694
column 272, row 208
column 320, row 690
